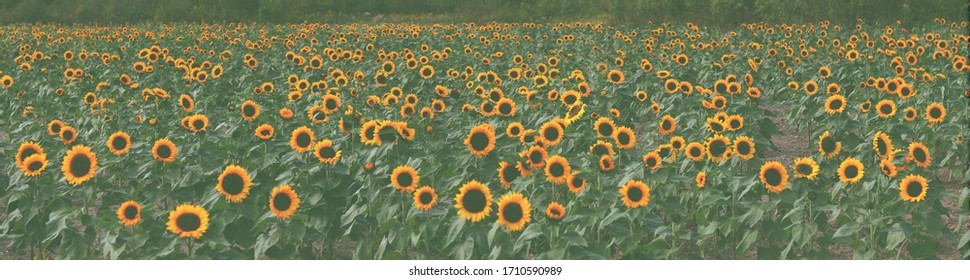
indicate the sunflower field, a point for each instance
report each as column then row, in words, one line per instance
column 564, row 140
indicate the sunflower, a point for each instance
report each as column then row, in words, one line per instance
column 514, row 130
column 865, row 106
column 835, row 104
column 576, row 183
column 718, row 148
column 551, row 133
column 331, row 103
column 886, row 108
column 744, row 147
column 606, row 163
column 302, row 139
column 920, row 154
column 54, row 127
column 913, row 188
column 507, row 173
column 198, row 122
column 424, row 198
column 604, row 127
column 616, row 77
column 887, row 166
column 555, row 211
column 536, row 156
column 474, row 201
column 625, row 138
column 805, row 167
column 695, row 151
column 367, row 132
column 405, row 178
column 652, row 160
column 164, row 150
column 909, row 114
column 481, row 140
column 80, row 164
column 602, row 148
column 34, row 164
column 283, row 201
column 882, row 144
column 935, row 113
column 27, row 149
column 186, row 103
column 264, row 131
column 325, row 152
column 188, row 220
column 734, row 122
column 575, row 112
column 811, row 87
column 851, row 171
column 234, row 183
column 827, row 146
column 514, row 211
column 250, row 110
column 667, row 125
column 119, row 143
column 129, row 213
column 557, row 170
column 427, row 72
column 635, row 194
column 701, row 179
column 68, row 134
column 774, row 176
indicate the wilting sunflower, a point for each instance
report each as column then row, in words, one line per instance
column 536, row 156
column 744, row 147
column 68, row 134
column 481, row 140
column 551, row 133
column 188, row 220
column 301, row 140
column 851, row 171
column 576, row 183
column 805, row 167
column 667, row 125
column 507, row 173
column 935, row 113
column 264, row 131
column 718, row 148
column 514, row 211
column 424, row 198
column 555, row 211
column 80, row 164
column 129, row 213
column 913, row 188
column 919, row 154
column 325, row 152
column 54, row 127
column 474, row 201
column 283, row 201
column 774, row 175
column 604, row 127
column 234, row 183
column 164, row 150
column 405, row 178
column 250, row 110
column 827, row 146
column 624, row 137
column 835, row 104
column 652, row 160
column 882, row 144
column 119, row 143
column 886, row 108
column 557, row 170
column 701, row 179
column 34, row 164
column 27, row 149
column 695, row 151
column 635, row 194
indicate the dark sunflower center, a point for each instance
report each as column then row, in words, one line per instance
column 164, row 151
column 735, row 123
column 185, row 103
column 331, row 104
column 623, row 138
column 651, row 161
column 885, row 109
column 935, row 113
column 328, row 152
column 919, row 154
column 570, row 99
column 634, row 194
column 249, row 111
column 80, row 165
column 56, row 128
column 671, row 86
column 720, row 88
column 718, row 148
column 188, row 222
column 555, row 212
column 836, row 104
column 599, row 150
column 405, row 180
column 509, row 173
column 505, row 108
column 606, row 129
column 851, row 171
column 772, row 177
column 810, row 87
column 694, row 152
column 514, row 131
column 512, row 212
column 303, row 140
column 577, row 182
column 803, row 169
column 27, row 153
column 718, row 103
column 828, row 145
column 666, row 125
column 474, row 201
column 425, row 198
column 535, row 157
column 551, row 134
column 556, row 169
column 282, row 202
column 744, row 148
column 479, row 141
column 914, row 189
column 232, row 184
column 198, row 124
column 68, row 135
column 881, row 146
column 130, row 212
column 119, row 143
column 34, row 166
column 426, row 72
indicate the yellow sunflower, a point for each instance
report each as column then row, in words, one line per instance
column 119, row 143
column 835, row 104
column 886, row 108
column 635, row 194
column 27, row 149
column 882, row 144
column 164, row 150
column 188, row 220
column 80, row 164
column 302, row 139
column 701, row 179
column 667, row 125
column 551, row 133
column 805, row 167
column 652, row 160
column 851, row 171
column 695, row 151
column 774, row 176
column 913, row 188
column 507, row 173
column 54, row 127
column 405, row 178
column 744, row 147
column 919, row 154
column 935, row 113
column 535, row 155
column 557, row 170
column 283, row 201
column 34, row 164
column 481, row 140
column 250, row 110
column 264, row 131
column 129, row 213
column 718, row 148
column 425, row 198
column 827, row 146
column 325, row 152
column 576, row 183
column 474, row 201
column 514, row 211
column 625, row 139
column 234, row 183
column 68, row 134
column 555, row 211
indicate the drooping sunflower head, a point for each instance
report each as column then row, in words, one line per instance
column 744, row 147
column 557, row 169
column 913, row 188
column 405, row 178
column 718, row 148
column 325, row 152
column 551, row 133
column 283, row 201
column 80, row 164
column 882, row 144
column 481, row 140
column 555, row 211
column 774, row 175
column 805, row 167
column 188, row 220
column 234, row 183
column 827, row 146
column 625, row 139
column 635, row 194
column 606, row 163
column 851, row 171
column 919, row 154
column 301, row 140
column 129, row 213
column 425, row 198
column 888, row 167
column 164, row 150
column 474, row 201
column 507, row 173
column 250, row 110
column 514, row 211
